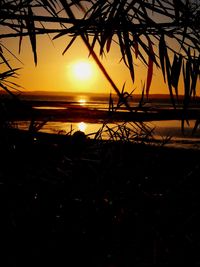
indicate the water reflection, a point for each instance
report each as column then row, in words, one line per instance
column 82, row 126
column 82, row 101
column 162, row 129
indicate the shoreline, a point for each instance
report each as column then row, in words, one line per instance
column 67, row 112
column 51, row 112
column 179, row 143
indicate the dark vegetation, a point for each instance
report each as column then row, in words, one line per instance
column 70, row 200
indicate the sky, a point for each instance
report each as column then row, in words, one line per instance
column 75, row 71
column 55, row 72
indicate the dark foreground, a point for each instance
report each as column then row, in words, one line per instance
column 67, row 201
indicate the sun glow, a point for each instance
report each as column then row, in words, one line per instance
column 82, row 70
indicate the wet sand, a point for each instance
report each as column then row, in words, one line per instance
column 68, row 112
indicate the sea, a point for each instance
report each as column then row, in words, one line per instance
column 168, row 132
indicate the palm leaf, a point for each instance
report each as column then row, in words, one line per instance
column 194, row 75
column 186, row 76
column 4, row 59
column 129, row 55
column 150, row 68
column 176, row 9
column 136, row 48
column 69, row 45
column 168, row 72
column 94, row 40
column 162, row 48
column 108, row 43
column 32, row 34
column 122, row 47
column 175, row 72
column 50, row 6
column 147, row 51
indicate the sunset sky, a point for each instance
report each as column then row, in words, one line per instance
column 75, row 71
column 55, row 72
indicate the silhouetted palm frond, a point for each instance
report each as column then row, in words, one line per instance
column 153, row 31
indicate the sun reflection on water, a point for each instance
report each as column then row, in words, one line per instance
column 82, row 101
column 82, row 126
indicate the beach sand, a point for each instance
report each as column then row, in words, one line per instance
column 83, row 202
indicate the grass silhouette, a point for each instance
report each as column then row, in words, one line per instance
column 98, row 203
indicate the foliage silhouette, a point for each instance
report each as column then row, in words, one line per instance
column 158, row 33
column 114, row 205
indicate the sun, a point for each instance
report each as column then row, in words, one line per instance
column 82, row 70
column 82, row 75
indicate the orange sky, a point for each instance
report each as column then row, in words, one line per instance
column 53, row 70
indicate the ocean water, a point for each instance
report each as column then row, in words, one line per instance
column 162, row 130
